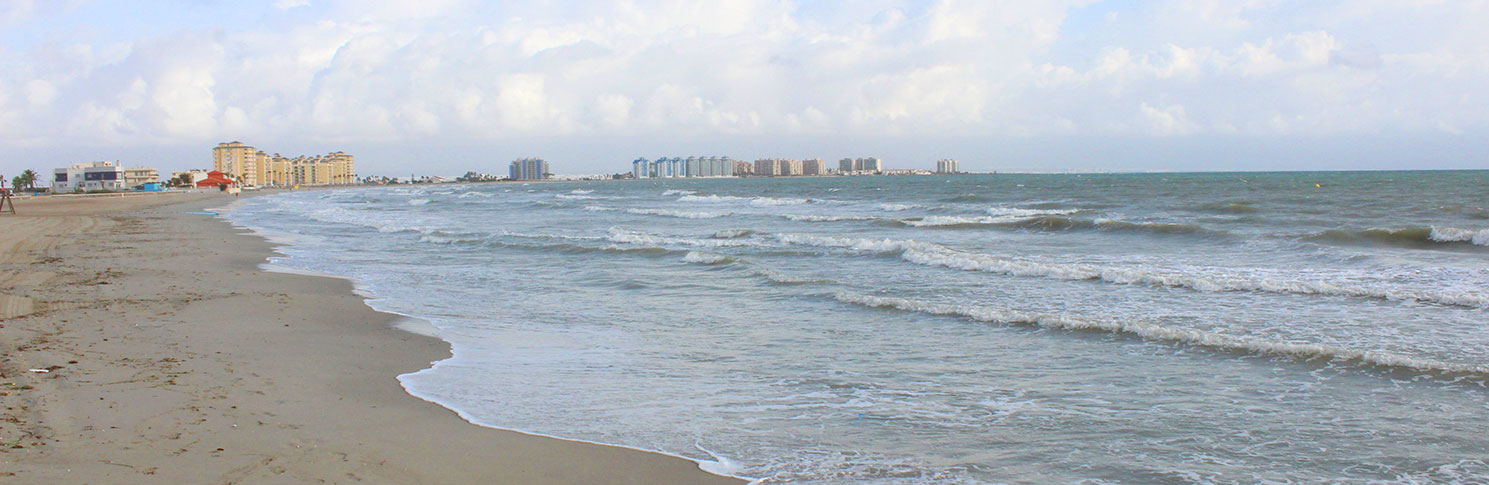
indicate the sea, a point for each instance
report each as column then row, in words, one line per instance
column 1066, row 328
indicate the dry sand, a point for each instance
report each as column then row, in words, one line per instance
column 169, row 357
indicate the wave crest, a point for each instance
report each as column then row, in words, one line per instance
column 632, row 237
column 732, row 233
column 1411, row 237
column 929, row 254
column 701, row 257
column 753, row 201
column 1450, row 234
column 679, row 214
column 1156, row 332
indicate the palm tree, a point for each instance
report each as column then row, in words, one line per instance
column 29, row 176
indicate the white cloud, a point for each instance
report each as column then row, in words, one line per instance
column 460, row 69
column 40, row 93
column 289, row 4
column 613, row 110
column 1167, row 121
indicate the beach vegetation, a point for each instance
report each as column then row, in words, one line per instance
column 26, row 180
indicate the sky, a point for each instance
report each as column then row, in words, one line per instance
column 449, row 86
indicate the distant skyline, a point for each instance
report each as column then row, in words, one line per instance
column 446, row 86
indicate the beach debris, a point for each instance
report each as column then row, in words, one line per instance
column 41, row 371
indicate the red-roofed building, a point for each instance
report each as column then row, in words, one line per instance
column 216, row 179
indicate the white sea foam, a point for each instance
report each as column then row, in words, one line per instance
column 597, row 208
column 341, row 215
column 934, row 221
column 581, row 191
column 825, row 218
column 929, row 254
column 732, row 233
column 679, row 214
column 773, row 202
column 995, row 215
column 574, row 197
column 701, row 257
column 418, row 201
column 1164, row 333
column 1027, row 213
column 679, row 192
column 858, row 244
column 753, row 201
column 896, row 207
column 1206, row 283
column 632, row 237
column 1449, row 234
column 787, row 279
column 710, row 199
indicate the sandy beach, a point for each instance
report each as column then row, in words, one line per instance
column 144, row 344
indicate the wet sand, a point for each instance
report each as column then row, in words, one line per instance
column 144, row 344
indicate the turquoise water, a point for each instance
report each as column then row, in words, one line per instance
column 1001, row 328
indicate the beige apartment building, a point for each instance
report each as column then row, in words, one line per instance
column 134, row 177
column 238, row 160
column 813, row 166
column 778, row 167
column 252, row 166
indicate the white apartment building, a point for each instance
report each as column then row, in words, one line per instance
column 86, row 176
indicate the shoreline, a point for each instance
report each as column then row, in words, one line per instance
column 172, row 355
column 423, row 327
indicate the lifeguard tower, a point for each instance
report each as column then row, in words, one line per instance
column 6, row 205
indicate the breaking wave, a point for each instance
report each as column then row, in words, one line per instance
column 706, row 258
column 996, row 216
column 678, row 192
column 753, row 201
column 1068, row 271
column 1449, row 234
column 965, row 198
column 1414, row 238
column 1017, row 212
column 732, row 233
column 542, row 242
column 1164, row 333
column 929, row 254
column 1061, row 223
column 632, row 237
column 822, row 218
column 1053, row 221
column 857, row 244
column 960, row 221
column 679, row 214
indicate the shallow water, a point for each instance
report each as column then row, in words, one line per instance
column 1003, row 328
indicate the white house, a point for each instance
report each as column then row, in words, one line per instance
column 88, row 176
